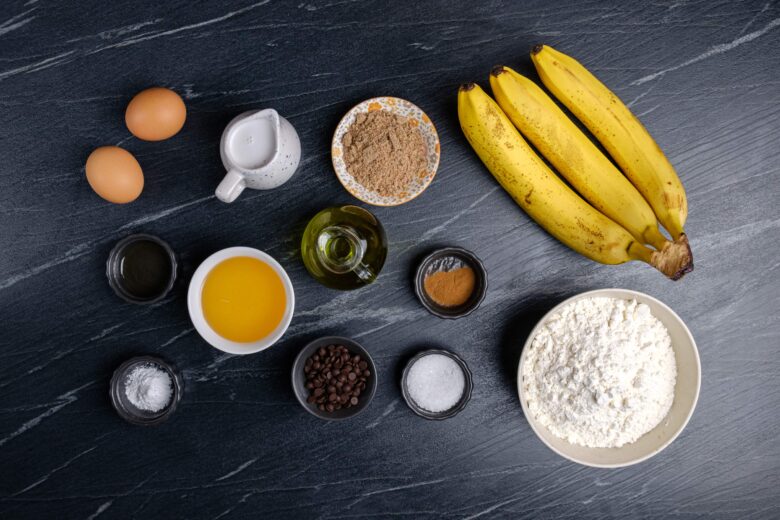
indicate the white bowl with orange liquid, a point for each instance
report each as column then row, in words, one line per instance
column 241, row 300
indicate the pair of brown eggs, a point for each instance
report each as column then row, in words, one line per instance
column 153, row 114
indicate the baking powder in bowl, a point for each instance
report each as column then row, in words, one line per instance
column 149, row 388
column 600, row 372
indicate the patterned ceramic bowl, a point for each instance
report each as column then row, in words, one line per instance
column 400, row 107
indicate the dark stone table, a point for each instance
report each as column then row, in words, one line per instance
column 703, row 76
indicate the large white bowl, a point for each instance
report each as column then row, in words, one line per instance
column 195, row 305
column 686, row 391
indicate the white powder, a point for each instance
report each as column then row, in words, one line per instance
column 435, row 382
column 600, row 373
column 149, row 388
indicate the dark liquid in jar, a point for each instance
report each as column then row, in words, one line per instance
column 145, row 269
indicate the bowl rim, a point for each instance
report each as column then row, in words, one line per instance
column 349, row 343
column 628, row 294
column 195, row 306
column 473, row 261
column 464, row 399
column 354, row 109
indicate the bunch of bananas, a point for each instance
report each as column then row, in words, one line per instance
column 620, row 217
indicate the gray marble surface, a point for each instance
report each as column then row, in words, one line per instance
column 703, row 76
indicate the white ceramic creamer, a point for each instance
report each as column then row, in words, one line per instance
column 260, row 150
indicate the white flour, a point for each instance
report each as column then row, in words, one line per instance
column 600, row 373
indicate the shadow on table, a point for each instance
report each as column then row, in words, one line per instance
column 516, row 333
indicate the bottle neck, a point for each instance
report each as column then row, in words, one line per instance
column 340, row 248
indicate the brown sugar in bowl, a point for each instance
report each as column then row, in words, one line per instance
column 402, row 108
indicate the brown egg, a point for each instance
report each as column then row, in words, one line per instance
column 155, row 114
column 114, row 174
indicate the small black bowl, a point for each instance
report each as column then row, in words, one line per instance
column 480, row 285
column 299, row 378
column 446, row 414
column 125, row 408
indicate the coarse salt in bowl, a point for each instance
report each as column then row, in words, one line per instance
column 399, row 107
column 420, row 381
column 686, row 391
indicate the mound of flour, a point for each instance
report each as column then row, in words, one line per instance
column 600, row 373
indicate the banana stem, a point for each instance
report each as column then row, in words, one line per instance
column 675, row 260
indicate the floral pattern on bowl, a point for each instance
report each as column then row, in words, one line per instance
column 400, row 107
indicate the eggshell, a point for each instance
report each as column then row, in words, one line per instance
column 155, row 114
column 114, row 174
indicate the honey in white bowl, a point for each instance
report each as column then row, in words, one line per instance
column 243, row 299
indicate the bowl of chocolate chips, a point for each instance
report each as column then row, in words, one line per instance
column 334, row 378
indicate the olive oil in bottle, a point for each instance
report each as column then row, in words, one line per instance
column 344, row 247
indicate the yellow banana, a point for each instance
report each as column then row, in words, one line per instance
column 619, row 131
column 574, row 155
column 540, row 192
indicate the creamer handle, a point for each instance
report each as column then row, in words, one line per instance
column 231, row 186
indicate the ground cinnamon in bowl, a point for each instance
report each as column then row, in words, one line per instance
column 384, row 152
column 450, row 288
column 451, row 282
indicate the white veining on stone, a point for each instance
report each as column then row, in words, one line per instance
column 14, row 22
column 387, row 411
column 385, row 315
column 640, row 96
column 105, row 332
column 242, row 500
column 413, row 485
column 71, row 254
column 65, row 399
column 238, row 470
column 59, row 355
column 177, row 337
column 38, row 65
column 55, row 470
column 158, row 34
column 712, row 51
column 499, row 505
column 85, row 248
column 100, row 510
column 430, row 233
column 755, row 17
column 209, row 372
column 162, row 214
column 110, row 34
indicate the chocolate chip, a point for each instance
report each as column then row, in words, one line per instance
column 335, row 378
